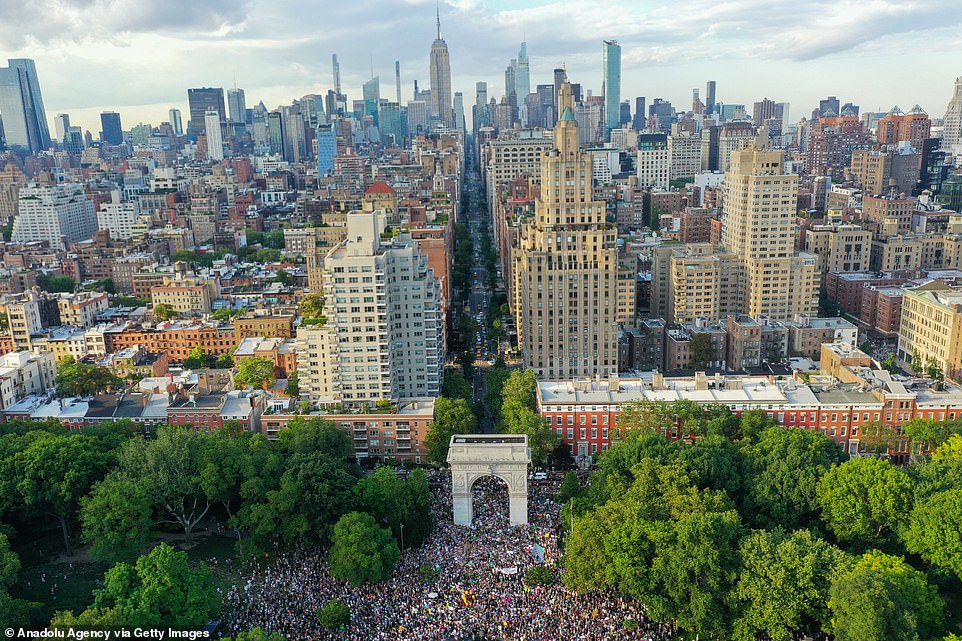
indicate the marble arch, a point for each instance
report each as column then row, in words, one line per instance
column 506, row 456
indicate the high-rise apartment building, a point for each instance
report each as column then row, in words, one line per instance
column 418, row 117
column 202, row 100
column 61, row 214
column 215, row 141
column 653, row 161
column 952, row 123
column 383, row 338
column 566, row 266
column 440, row 71
column 759, row 227
column 21, row 104
column 897, row 126
column 612, row 87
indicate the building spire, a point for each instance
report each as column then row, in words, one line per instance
column 438, row 5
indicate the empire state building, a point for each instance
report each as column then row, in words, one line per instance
column 440, row 73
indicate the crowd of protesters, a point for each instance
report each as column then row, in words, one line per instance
column 463, row 584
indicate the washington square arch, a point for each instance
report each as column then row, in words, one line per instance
column 472, row 456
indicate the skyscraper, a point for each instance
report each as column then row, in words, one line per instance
column 560, row 77
column 201, row 101
column 641, row 114
column 759, row 227
column 61, row 123
column 397, row 81
column 326, row 149
column 481, row 104
column 337, row 73
column 111, row 132
column 236, row 106
column 215, row 141
column 21, row 104
column 565, row 294
column 710, row 106
column 522, row 73
column 176, row 122
column 459, row 110
column 952, row 124
column 612, row 86
column 440, row 72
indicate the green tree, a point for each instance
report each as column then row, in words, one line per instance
column 197, row 358
column 753, row 423
column 362, row 551
column 53, row 472
column 164, row 311
column 934, row 530
column 882, row 598
column 402, row 505
column 456, row 386
column 541, row 438
column 450, row 417
column 226, row 313
column 864, row 499
column 927, row 433
column 649, row 417
column 891, row 362
column 170, row 466
column 715, row 462
column 784, row 584
column 570, row 488
column 224, row 361
column 293, row 388
column 54, row 284
column 701, row 354
column 80, row 379
column 12, row 611
column 878, row 437
column 783, row 468
column 283, row 277
column 933, row 369
column 517, row 395
column 950, row 450
column 161, row 589
column 315, row 435
column 117, row 518
column 334, row 615
column 256, row 372
column 315, row 490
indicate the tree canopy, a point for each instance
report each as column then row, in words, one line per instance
column 361, row 550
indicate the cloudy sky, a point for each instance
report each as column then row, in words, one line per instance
column 139, row 56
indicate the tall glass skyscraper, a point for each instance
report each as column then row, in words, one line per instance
column 202, row 100
column 110, row 129
column 21, row 104
column 612, row 55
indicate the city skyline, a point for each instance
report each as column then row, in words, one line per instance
column 141, row 62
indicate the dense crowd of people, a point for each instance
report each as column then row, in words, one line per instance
column 463, row 584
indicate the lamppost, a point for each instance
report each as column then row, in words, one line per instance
column 402, row 537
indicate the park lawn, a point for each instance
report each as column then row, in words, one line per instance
column 221, row 549
column 43, row 555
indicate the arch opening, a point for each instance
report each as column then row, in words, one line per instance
column 490, row 502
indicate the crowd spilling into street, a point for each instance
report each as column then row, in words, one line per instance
column 463, row 584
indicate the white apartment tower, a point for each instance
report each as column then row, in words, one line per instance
column 60, row 214
column 215, row 140
column 384, row 337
